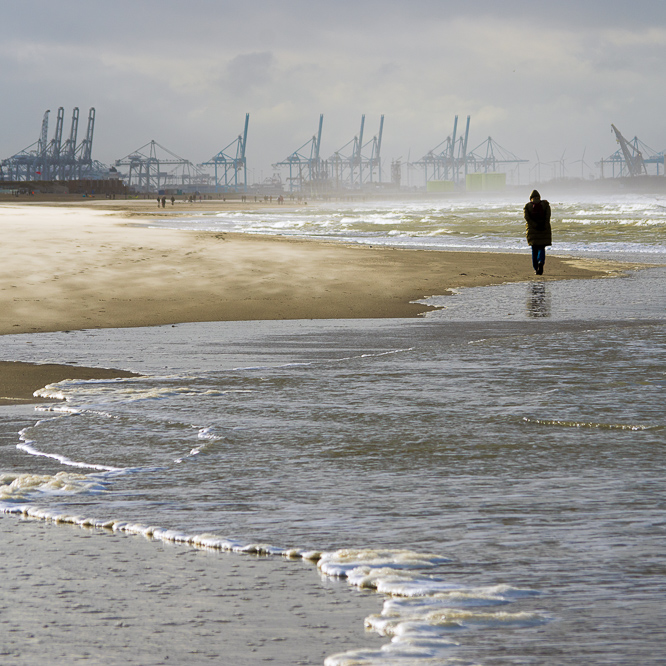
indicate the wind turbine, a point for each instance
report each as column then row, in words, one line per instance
column 538, row 167
column 583, row 164
column 562, row 167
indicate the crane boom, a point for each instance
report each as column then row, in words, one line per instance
column 632, row 156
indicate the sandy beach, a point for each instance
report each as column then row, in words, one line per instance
column 85, row 267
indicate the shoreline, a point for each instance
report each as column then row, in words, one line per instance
column 161, row 601
column 88, row 264
column 19, row 380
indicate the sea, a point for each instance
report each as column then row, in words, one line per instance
column 492, row 472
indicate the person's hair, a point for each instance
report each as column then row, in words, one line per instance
column 535, row 195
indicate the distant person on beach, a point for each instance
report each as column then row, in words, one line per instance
column 537, row 229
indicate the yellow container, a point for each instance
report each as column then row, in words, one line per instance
column 485, row 182
column 439, row 186
column 494, row 182
column 474, row 182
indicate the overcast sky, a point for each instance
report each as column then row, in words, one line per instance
column 537, row 76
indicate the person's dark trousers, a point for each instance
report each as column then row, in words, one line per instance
column 538, row 258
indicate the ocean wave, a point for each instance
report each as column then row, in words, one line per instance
column 591, row 424
column 28, row 447
column 19, row 486
column 619, row 225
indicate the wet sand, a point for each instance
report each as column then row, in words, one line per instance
column 69, row 594
column 18, row 381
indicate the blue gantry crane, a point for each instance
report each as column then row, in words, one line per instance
column 452, row 161
column 373, row 162
column 230, row 163
column 345, row 166
column 351, row 166
column 632, row 158
column 145, row 170
column 306, row 168
column 47, row 160
column 448, row 159
column 489, row 157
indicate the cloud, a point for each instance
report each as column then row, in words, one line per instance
column 248, row 71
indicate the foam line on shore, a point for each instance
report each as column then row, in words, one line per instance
column 419, row 609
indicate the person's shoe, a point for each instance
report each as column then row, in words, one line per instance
column 539, row 270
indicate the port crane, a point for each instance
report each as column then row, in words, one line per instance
column 231, row 162
column 632, row 156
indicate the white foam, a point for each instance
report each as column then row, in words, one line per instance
column 27, row 446
column 630, row 224
column 590, row 424
column 398, row 654
column 342, row 562
column 18, row 486
column 209, row 440
column 123, row 390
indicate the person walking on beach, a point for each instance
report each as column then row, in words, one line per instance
column 537, row 229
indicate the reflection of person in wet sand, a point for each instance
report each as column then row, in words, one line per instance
column 538, row 303
column 537, row 229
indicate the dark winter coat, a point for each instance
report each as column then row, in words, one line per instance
column 537, row 223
